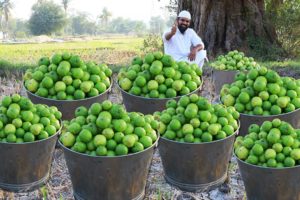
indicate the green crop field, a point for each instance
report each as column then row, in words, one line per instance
column 112, row 51
column 115, row 51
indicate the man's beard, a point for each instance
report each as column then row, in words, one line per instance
column 182, row 28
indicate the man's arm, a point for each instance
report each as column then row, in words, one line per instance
column 198, row 45
column 194, row 50
column 169, row 35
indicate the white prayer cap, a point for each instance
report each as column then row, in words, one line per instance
column 185, row 14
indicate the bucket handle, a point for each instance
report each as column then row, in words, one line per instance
column 158, row 137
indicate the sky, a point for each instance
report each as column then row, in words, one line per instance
column 132, row 9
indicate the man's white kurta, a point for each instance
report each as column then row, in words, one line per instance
column 179, row 46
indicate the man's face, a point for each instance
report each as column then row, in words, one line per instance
column 183, row 24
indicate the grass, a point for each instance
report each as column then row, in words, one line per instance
column 163, row 195
column 112, row 51
column 115, row 51
column 286, row 63
column 285, row 68
column 44, row 192
column 6, row 65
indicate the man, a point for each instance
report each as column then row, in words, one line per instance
column 183, row 43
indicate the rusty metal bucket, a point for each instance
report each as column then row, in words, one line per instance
column 221, row 77
column 196, row 167
column 246, row 120
column 68, row 107
column 108, row 178
column 145, row 105
column 26, row 166
column 263, row 183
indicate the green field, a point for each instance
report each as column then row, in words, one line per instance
column 294, row 63
column 112, row 51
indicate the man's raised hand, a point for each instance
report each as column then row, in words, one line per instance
column 174, row 28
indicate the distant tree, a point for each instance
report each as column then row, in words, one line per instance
column 1, row 14
column 105, row 16
column 18, row 28
column 40, row 1
column 119, row 25
column 170, row 21
column 66, row 5
column 140, row 27
column 46, row 18
column 157, row 25
column 5, row 11
column 82, row 25
column 126, row 26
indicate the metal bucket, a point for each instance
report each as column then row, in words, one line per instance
column 26, row 166
column 145, row 105
column 263, row 183
column 108, row 178
column 221, row 77
column 196, row 167
column 68, row 107
column 246, row 120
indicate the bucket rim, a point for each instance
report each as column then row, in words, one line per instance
column 202, row 143
column 228, row 70
column 262, row 116
column 109, row 157
column 71, row 101
column 36, row 141
column 264, row 168
column 169, row 98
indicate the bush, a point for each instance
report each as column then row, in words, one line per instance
column 261, row 49
column 21, row 34
column 151, row 43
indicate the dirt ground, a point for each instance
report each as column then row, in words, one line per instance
column 59, row 184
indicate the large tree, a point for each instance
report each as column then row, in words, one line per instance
column 46, row 18
column 226, row 24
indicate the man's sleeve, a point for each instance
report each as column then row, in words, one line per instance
column 196, row 39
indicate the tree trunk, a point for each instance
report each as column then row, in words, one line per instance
column 225, row 25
